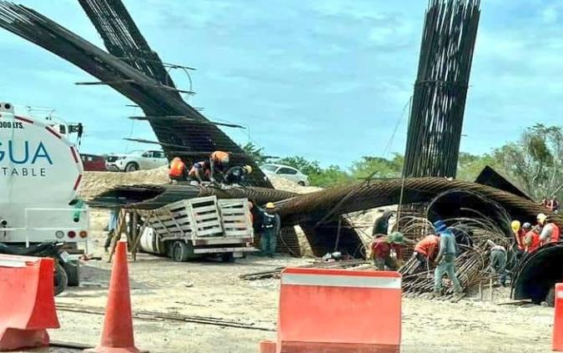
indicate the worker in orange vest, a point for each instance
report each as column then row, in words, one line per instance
column 532, row 240
column 218, row 161
column 177, row 170
column 426, row 249
column 550, row 232
column 199, row 172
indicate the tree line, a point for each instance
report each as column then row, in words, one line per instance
column 534, row 163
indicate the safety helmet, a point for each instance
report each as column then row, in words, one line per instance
column 440, row 226
column 541, row 218
column 270, row 205
column 225, row 159
column 515, row 226
column 247, row 169
column 526, row 226
column 395, row 238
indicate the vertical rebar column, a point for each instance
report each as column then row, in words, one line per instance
column 440, row 91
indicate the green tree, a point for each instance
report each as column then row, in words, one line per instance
column 256, row 153
column 331, row 176
column 377, row 167
column 306, row 167
column 536, row 160
column 469, row 166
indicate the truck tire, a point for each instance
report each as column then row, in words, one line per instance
column 180, row 251
column 72, row 270
column 228, row 257
column 131, row 167
column 61, row 279
column 301, row 183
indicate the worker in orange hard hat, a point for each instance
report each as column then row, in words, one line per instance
column 177, row 170
column 269, row 229
column 218, row 161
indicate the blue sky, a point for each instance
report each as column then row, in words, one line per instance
column 326, row 79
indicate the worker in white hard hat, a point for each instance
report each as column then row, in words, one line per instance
column 237, row 175
column 270, row 225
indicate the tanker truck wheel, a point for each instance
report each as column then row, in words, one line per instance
column 61, row 279
column 73, row 273
column 131, row 167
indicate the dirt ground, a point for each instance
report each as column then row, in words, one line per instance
column 213, row 289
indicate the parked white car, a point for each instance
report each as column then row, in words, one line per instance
column 286, row 172
column 137, row 160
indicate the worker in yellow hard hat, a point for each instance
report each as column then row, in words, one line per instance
column 519, row 234
column 270, row 225
column 237, row 175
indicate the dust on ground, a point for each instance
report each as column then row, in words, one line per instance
column 213, row 289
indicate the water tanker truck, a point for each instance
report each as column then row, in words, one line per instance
column 40, row 174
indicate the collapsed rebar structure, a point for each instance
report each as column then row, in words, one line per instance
column 135, row 71
column 440, row 91
column 295, row 209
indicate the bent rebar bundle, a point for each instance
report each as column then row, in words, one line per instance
column 440, row 92
column 295, row 209
column 135, row 71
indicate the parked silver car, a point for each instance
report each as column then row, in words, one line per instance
column 286, row 172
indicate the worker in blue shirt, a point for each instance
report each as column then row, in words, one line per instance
column 446, row 259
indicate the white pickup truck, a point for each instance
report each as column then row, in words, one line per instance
column 137, row 160
column 40, row 173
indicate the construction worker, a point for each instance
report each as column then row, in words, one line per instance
column 519, row 234
column 269, row 230
column 237, row 175
column 498, row 260
column 446, row 259
column 426, row 250
column 532, row 239
column 550, row 232
column 199, row 172
column 177, row 170
column 381, row 251
column 112, row 228
column 218, row 162
column 381, row 225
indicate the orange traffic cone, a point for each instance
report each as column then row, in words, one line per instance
column 117, row 336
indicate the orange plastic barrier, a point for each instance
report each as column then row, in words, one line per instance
column 117, row 335
column 339, row 311
column 27, row 302
column 558, row 319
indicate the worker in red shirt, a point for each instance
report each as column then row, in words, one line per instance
column 532, row 239
column 381, row 251
column 550, row 232
column 426, row 249
column 519, row 234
